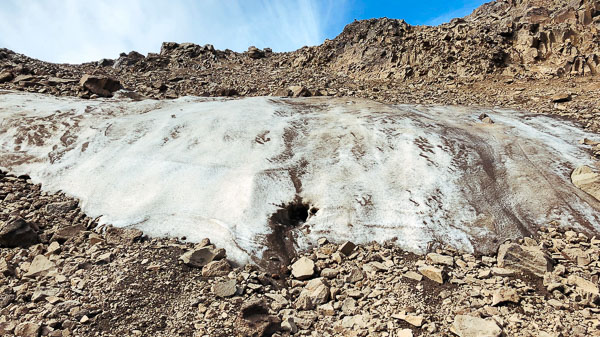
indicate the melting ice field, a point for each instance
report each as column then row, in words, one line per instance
column 220, row 169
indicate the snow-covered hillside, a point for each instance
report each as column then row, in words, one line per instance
column 234, row 170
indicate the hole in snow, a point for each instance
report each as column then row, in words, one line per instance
column 293, row 214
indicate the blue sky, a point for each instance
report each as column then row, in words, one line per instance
column 74, row 31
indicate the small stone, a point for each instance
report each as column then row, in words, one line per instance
column 303, row 269
column 469, row 326
column 27, row 329
column 556, row 303
column 288, row 325
column 225, row 289
column 504, row 295
column 561, row 98
column 347, row 248
column 216, row 268
column 349, row 306
column 584, row 285
column 354, row 276
column 329, row 273
column 201, row 257
column 405, row 333
column 322, row 241
column 314, row 293
column 6, row 268
column 104, row 258
column 487, row 120
column 299, row 91
column 435, row 258
column 433, row 273
column 40, row 266
column 587, row 180
column 413, row 275
column 497, row 271
column 54, row 248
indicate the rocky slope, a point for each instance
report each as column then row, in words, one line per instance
column 67, row 277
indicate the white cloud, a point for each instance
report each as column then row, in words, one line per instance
column 79, row 31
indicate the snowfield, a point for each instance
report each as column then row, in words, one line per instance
column 356, row 170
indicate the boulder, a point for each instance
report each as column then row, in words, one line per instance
column 583, row 285
column 255, row 53
column 523, row 258
column 6, row 76
column 299, row 91
column 17, row 233
column 468, row 326
column 100, row 85
column 303, row 269
column 587, row 180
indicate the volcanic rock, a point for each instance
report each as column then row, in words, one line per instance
column 100, row 85
column 6, row 76
column 17, row 233
column 346, row 248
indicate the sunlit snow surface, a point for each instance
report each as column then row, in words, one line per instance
column 216, row 168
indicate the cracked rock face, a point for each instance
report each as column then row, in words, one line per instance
column 201, row 168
